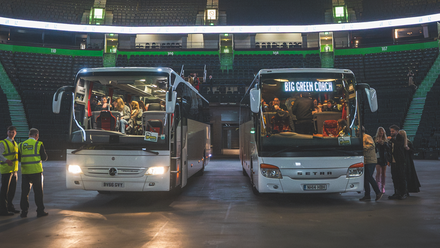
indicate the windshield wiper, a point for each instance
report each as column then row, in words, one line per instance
column 284, row 150
column 81, row 148
column 150, row 151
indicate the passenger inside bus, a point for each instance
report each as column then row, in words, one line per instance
column 281, row 115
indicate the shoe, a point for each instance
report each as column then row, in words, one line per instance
column 379, row 196
column 402, row 197
column 365, row 198
column 42, row 214
column 23, row 214
column 393, row 197
column 6, row 213
column 15, row 211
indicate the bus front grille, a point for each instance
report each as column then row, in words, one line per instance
column 115, row 171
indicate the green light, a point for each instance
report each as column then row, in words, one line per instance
column 226, row 34
column 98, row 13
column 111, row 35
column 212, row 24
column 339, row 11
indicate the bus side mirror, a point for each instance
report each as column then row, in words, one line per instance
column 372, row 99
column 255, row 100
column 170, row 101
column 371, row 95
column 57, row 97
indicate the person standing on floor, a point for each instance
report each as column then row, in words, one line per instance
column 370, row 162
column 31, row 154
column 382, row 154
column 412, row 180
column 8, row 169
column 398, row 164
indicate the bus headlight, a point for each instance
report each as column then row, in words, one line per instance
column 270, row 171
column 74, row 169
column 356, row 170
column 156, row 170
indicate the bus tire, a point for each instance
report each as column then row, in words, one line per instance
column 255, row 190
column 201, row 171
column 244, row 172
column 175, row 192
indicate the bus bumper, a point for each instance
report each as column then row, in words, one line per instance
column 145, row 183
column 289, row 185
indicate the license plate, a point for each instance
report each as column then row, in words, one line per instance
column 311, row 187
column 113, row 185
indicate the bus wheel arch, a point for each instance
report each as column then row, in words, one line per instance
column 254, row 188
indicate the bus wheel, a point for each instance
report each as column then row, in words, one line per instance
column 201, row 171
column 255, row 191
column 175, row 192
column 244, row 172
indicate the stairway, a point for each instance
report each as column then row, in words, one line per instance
column 415, row 110
column 226, row 61
column 16, row 110
column 109, row 59
column 327, row 60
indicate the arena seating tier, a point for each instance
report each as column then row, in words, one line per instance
column 36, row 77
column 387, row 73
column 390, row 9
column 4, row 115
column 46, row 10
column 428, row 133
column 155, row 12
column 178, row 13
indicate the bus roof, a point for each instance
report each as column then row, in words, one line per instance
column 305, row 70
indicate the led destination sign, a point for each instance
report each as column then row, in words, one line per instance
column 308, row 86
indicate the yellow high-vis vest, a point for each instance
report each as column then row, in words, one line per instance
column 30, row 156
column 11, row 153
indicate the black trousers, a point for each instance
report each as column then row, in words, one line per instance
column 304, row 127
column 9, row 184
column 28, row 181
column 399, row 179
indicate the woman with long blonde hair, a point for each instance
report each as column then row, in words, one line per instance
column 382, row 151
column 124, row 111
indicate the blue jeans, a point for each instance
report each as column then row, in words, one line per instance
column 369, row 179
column 122, row 124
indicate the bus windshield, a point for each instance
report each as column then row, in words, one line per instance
column 121, row 109
column 304, row 112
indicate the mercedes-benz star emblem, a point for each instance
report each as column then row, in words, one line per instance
column 113, row 171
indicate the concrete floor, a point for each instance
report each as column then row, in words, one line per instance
column 219, row 210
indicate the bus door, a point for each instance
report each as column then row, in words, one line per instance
column 179, row 170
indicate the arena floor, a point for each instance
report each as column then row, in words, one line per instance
column 220, row 210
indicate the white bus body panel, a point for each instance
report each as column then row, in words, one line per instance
column 196, row 146
column 299, row 171
column 130, row 165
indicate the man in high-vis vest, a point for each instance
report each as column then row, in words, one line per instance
column 31, row 153
column 8, row 169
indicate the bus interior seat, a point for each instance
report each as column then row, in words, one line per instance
column 95, row 115
column 154, row 125
column 319, row 119
column 154, row 107
column 106, row 121
column 330, row 128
